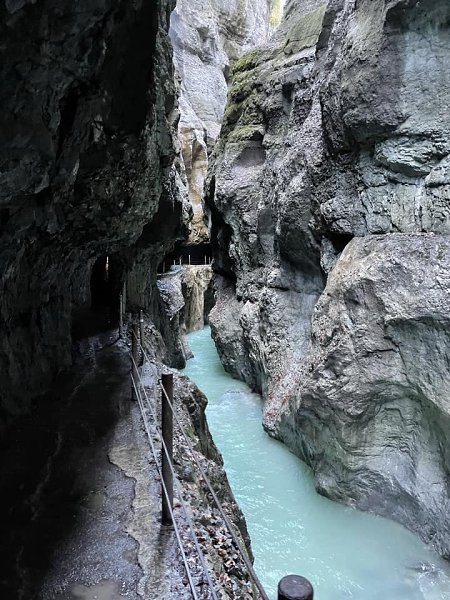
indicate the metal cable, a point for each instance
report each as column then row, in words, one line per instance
column 175, row 526
column 227, row 522
column 186, row 511
column 180, row 493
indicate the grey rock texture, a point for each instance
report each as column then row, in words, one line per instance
column 86, row 169
column 378, row 366
column 187, row 299
column 170, row 341
column 81, row 493
column 207, row 36
column 339, row 128
column 198, row 293
column 266, row 255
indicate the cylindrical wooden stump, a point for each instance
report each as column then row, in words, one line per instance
column 294, row 587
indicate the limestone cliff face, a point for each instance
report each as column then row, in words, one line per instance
column 86, row 156
column 188, row 297
column 338, row 129
column 207, row 36
column 198, row 296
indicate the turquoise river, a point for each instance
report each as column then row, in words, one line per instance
column 345, row 553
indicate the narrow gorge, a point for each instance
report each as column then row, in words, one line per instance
column 279, row 172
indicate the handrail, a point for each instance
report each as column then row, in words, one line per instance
column 184, row 261
column 178, row 485
column 175, row 526
column 227, row 522
column 291, row 587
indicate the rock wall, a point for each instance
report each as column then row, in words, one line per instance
column 207, row 37
column 338, row 129
column 86, row 154
column 198, row 296
column 187, row 299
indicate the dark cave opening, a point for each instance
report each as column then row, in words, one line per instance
column 102, row 283
column 106, row 285
column 106, row 282
column 339, row 240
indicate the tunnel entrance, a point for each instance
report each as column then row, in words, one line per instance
column 106, row 285
column 106, row 281
column 102, row 283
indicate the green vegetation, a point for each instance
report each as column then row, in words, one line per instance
column 248, row 61
column 276, row 12
column 247, row 133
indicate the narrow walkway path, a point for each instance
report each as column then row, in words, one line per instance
column 77, row 520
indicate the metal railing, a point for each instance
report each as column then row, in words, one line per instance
column 185, row 261
column 292, row 587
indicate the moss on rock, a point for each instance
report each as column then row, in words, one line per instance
column 276, row 12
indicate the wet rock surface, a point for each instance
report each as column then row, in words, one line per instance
column 188, row 297
column 207, row 37
column 81, row 495
column 336, row 129
column 86, row 167
column 198, row 295
column 379, row 364
column 65, row 505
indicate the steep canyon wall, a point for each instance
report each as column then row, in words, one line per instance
column 330, row 202
column 207, row 36
column 87, row 169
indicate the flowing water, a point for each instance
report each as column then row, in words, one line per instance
column 345, row 553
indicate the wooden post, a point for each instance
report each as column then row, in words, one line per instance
column 167, row 459
column 121, row 315
column 141, row 336
column 124, row 305
column 294, row 587
column 180, row 261
column 135, row 355
column 174, row 262
column 206, row 259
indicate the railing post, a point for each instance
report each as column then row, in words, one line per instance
column 167, row 458
column 294, row 587
column 180, row 261
column 135, row 355
column 121, row 315
column 141, row 335
column 189, row 259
